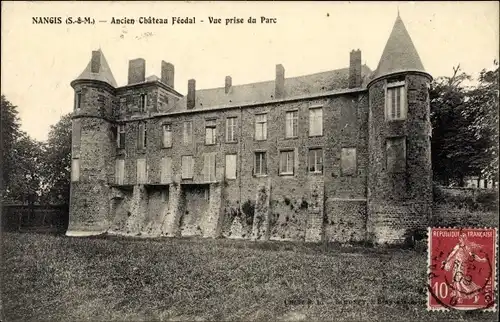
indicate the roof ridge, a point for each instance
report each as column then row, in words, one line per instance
column 286, row 78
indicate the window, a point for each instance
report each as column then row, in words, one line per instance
column 209, row 167
column 348, row 161
column 167, row 135
column 291, row 127
column 230, row 166
column 120, row 171
column 231, row 125
column 260, row 164
column 396, row 154
column 75, row 170
column 120, row 138
column 166, row 170
column 210, row 131
column 143, row 103
column 315, row 121
column 315, row 160
column 261, row 127
column 141, row 136
column 187, row 164
column 287, row 162
column 188, row 132
column 142, row 175
column 395, row 103
column 78, row 100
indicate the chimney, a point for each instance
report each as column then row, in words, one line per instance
column 191, row 96
column 167, row 73
column 95, row 66
column 136, row 71
column 279, row 91
column 229, row 83
column 355, row 69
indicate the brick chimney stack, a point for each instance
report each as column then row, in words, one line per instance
column 95, row 66
column 136, row 71
column 167, row 73
column 279, row 82
column 228, row 84
column 191, row 95
column 355, row 69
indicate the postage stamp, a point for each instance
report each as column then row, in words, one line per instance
column 462, row 269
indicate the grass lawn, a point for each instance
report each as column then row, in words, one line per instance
column 60, row 278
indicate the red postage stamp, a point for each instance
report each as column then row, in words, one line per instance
column 462, row 269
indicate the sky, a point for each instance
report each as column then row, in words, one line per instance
column 38, row 61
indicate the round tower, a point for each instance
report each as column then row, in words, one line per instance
column 92, row 148
column 400, row 170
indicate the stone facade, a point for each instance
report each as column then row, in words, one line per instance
column 334, row 186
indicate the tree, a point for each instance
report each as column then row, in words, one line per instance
column 25, row 174
column 464, row 120
column 57, row 162
column 10, row 133
column 483, row 110
column 21, row 158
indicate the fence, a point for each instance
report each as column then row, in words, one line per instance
column 35, row 218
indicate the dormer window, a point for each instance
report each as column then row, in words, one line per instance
column 395, row 101
column 142, row 103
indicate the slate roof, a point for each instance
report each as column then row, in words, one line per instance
column 264, row 91
column 104, row 73
column 399, row 53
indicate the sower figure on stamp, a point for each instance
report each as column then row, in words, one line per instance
column 461, row 257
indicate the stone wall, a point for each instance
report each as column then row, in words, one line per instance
column 331, row 205
column 345, row 220
column 93, row 147
column 196, row 207
column 399, row 202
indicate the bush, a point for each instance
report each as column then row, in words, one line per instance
column 469, row 198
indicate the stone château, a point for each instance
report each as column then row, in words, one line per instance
column 342, row 155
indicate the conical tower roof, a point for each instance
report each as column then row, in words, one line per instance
column 399, row 53
column 101, row 71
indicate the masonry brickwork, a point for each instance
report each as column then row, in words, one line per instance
column 336, row 185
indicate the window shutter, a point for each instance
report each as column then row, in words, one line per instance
column 191, row 170
column 120, row 171
column 264, row 163
column 320, row 159
column 403, row 102
column 212, row 167
column 141, row 171
column 265, row 126
column 137, row 102
column 388, row 104
column 295, row 160
column 206, row 160
column 183, row 167
column 231, row 166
